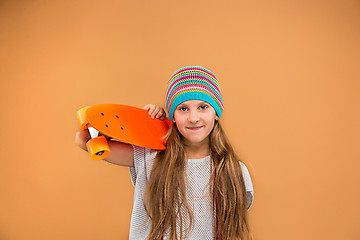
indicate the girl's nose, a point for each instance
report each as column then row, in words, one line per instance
column 193, row 116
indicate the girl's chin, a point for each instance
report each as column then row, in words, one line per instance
column 189, row 141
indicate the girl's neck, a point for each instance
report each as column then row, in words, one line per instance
column 197, row 150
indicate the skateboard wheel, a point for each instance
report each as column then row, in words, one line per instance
column 81, row 116
column 98, row 148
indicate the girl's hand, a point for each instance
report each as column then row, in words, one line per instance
column 155, row 111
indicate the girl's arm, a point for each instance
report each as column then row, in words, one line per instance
column 121, row 153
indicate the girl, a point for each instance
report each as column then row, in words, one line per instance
column 196, row 188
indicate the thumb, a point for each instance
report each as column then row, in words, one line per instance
column 146, row 107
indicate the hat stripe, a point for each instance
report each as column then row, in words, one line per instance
column 200, row 81
column 196, row 90
column 189, row 77
column 186, row 87
column 194, row 72
column 194, row 68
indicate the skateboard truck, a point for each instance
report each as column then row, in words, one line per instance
column 97, row 146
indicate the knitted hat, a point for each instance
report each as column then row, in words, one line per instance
column 193, row 82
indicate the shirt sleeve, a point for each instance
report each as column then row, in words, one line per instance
column 143, row 162
column 139, row 157
column 248, row 185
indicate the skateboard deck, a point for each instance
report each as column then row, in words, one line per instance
column 123, row 123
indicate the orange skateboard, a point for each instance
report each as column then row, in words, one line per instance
column 123, row 123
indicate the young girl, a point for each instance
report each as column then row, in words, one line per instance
column 196, row 188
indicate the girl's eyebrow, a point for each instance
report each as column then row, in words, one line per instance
column 203, row 103
column 185, row 105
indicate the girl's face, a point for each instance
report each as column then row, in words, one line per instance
column 195, row 120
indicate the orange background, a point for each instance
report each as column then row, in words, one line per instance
column 289, row 72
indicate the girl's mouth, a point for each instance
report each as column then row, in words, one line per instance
column 194, row 128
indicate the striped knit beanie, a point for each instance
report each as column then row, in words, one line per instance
column 193, row 83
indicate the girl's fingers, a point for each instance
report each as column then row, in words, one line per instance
column 155, row 112
column 150, row 108
column 162, row 117
column 147, row 106
column 160, row 114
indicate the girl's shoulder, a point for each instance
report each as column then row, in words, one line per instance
column 248, row 184
column 143, row 162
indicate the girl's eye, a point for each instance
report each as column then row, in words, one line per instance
column 182, row 109
column 203, row 107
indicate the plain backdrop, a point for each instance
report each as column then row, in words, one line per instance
column 289, row 73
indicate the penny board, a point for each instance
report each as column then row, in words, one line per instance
column 129, row 124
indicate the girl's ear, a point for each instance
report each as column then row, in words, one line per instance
column 216, row 117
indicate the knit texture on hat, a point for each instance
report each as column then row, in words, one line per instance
column 193, row 83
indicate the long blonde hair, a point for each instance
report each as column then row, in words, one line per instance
column 165, row 200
